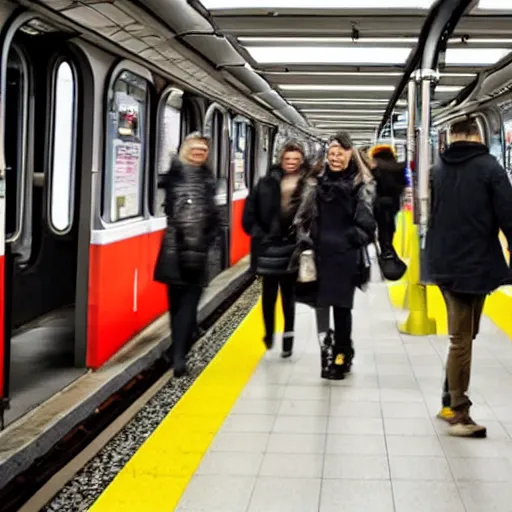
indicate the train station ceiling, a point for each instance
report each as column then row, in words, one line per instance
column 339, row 61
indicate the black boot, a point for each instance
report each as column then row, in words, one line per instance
column 326, row 346
column 349, row 354
column 287, row 345
column 346, row 350
column 338, row 368
column 269, row 341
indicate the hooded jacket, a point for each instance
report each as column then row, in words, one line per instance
column 471, row 200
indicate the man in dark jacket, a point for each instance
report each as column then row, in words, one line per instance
column 471, row 200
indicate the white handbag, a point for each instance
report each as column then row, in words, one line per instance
column 307, row 267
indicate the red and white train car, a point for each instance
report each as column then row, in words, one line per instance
column 90, row 114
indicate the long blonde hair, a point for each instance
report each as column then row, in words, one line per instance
column 363, row 165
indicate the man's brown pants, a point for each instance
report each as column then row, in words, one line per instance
column 464, row 312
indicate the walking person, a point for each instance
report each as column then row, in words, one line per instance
column 268, row 219
column 390, row 179
column 471, row 200
column 335, row 219
column 193, row 222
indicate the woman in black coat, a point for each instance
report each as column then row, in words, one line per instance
column 193, row 222
column 268, row 219
column 335, row 218
column 391, row 182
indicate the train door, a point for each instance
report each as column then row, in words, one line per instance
column 242, row 165
column 217, row 128
column 41, row 138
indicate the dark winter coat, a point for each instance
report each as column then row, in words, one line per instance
column 273, row 238
column 471, row 199
column 390, row 182
column 336, row 219
column 193, row 222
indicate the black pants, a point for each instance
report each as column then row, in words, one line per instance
column 183, row 303
column 271, row 285
column 385, row 217
column 342, row 328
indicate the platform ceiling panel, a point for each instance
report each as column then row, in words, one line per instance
column 339, row 64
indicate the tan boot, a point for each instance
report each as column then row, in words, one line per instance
column 461, row 425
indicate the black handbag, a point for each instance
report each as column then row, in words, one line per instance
column 391, row 266
column 364, row 268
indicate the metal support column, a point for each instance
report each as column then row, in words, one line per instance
column 418, row 322
column 428, row 77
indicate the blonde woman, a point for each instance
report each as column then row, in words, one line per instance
column 193, row 221
column 336, row 217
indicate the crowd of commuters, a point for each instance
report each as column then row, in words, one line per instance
column 325, row 211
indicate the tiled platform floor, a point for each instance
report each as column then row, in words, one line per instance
column 370, row 443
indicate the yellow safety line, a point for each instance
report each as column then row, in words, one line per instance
column 157, row 475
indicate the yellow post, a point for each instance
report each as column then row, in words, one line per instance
column 418, row 322
column 398, row 291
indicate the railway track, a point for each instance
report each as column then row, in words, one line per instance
column 34, row 488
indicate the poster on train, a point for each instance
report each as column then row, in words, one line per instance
column 239, row 181
column 169, row 137
column 126, row 179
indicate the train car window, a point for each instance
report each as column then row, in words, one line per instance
column 506, row 116
column 250, row 165
column 216, row 146
column 168, row 142
column 508, row 147
column 62, row 168
column 15, row 141
column 241, row 154
column 125, row 147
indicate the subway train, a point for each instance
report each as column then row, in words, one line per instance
column 95, row 99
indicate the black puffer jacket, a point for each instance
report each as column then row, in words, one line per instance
column 273, row 238
column 391, row 181
column 193, row 222
column 471, row 200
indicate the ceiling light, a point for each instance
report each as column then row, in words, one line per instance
column 344, row 111
column 337, row 87
column 349, row 124
column 474, row 56
column 286, row 41
column 476, row 40
column 334, row 73
column 494, row 5
column 448, row 88
column 342, row 101
column 344, row 116
column 318, row 4
column 357, row 55
column 457, row 75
